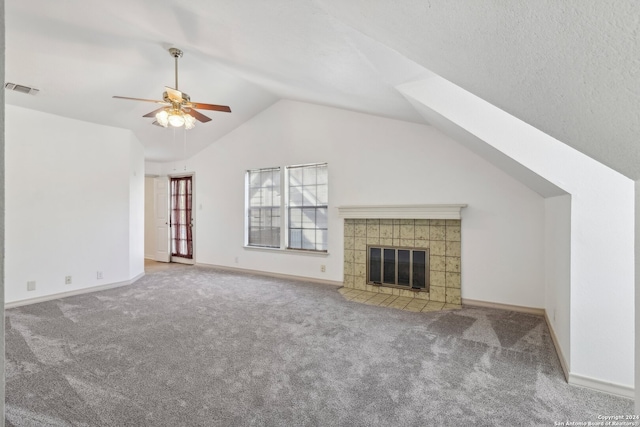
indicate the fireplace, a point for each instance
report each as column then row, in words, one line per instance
column 416, row 246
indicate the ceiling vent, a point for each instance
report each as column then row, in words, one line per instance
column 21, row 88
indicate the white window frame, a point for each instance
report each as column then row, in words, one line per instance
column 284, row 211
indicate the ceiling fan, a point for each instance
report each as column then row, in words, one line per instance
column 178, row 110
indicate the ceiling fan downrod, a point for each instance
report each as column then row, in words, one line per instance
column 176, row 53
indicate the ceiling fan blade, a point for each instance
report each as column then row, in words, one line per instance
column 199, row 116
column 139, row 99
column 154, row 112
column 212, row 107
column 174, row 95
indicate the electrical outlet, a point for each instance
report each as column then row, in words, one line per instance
column 31, row 285
column 323, row 268
column 99, row 274
column 67, row 280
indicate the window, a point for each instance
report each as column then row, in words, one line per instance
column 307, row 207
column 263, row 207
column 305, row 204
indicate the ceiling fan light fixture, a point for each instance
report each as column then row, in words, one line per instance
column 176, row 119
column 189, row 121
column 163, row 118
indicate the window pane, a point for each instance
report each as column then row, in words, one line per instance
column 264, row 207
column 403, row 267
column 303, row 192
column 419, row 270
column 375, row 265
column 321, row 174
column 389, row 266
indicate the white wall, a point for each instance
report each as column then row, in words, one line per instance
column 72, row 204
column 373, row 160
column 558, row 270
column 602, row 220
column 149, row 218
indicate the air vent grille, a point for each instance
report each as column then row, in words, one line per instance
column 21, row 88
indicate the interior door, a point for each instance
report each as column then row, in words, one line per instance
column 181, row 216
column 161, row 206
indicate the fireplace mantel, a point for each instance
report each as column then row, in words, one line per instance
column 402, row 211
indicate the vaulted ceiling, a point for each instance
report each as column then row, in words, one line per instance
column 571, row 68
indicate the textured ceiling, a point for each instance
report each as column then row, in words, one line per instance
column 570, row 68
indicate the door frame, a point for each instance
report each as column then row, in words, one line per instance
column 193, row 217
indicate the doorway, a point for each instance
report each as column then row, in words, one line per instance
column 181, row 219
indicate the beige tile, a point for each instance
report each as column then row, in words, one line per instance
column 359, row 270
column 415, row 309
column 360, row 221
column 437, row 222
column 373, row 240
column 408, row 243
column 395, row 291
column 386, row 222
column 396, row 222
column 385, row 290
column 386, row 231
column 418, row 222
column 365, row 296
column 406, row 293
column 396, row 242
column 349, row 280
column 438, row 247
column 349, row 243
column 349, row 269
column 359, row 284
column 422, row 296
column 453, row 233
column 422, row 232
column 417, row 303
column 407, row 222
column 361, row 230
column 360, row 257
column 400, row 302
column 348, row 255
column 378, row 299
column 422, row 243
column 438, row 263
column 407, row 232
column 433, row 306
column 453, row 248
column 453, row 222
column 373, row 228
column 360, row 244
column 396, row 231
column 453, row 296
column 452, row 307
column 438, row 278
column 386, row 242
column 453, row 264
column 390, row 299
column 344, row 290
column 436, row 232
column 437, row 293
column 453, row 280
column 348, row 228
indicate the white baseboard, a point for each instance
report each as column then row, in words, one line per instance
column 500, row 306
column 269, row 274
column 556, row 343
column 604, row 386
column 59, row 295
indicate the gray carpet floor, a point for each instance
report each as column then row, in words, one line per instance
column 205, row 347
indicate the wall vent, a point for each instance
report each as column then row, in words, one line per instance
column 21, row 88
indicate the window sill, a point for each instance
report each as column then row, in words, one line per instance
column 289, row 251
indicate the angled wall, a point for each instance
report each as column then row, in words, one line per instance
column 601, row 237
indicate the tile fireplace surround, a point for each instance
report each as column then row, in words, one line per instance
column 436, row 227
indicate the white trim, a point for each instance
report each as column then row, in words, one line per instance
column 60, row 295
column 603, row 386
column 403, row 211
column 500, row 306
column 287, row 251
column 270, row 274
column 563, row 360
